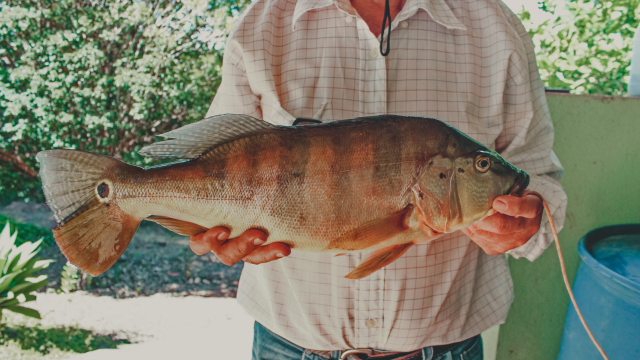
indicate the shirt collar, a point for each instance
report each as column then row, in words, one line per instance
column 304, row 6
column 439, row 11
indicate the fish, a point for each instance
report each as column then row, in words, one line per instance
column 379, row 184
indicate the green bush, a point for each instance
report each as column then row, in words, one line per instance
column 102, row 76
column 18, row 266
column 587, row 47
column 67, row 339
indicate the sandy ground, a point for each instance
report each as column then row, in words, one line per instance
column 162, row 326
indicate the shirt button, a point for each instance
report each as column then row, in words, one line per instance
column 349, row 19
column 308, row 351
column 373, row 53
column 404, row 24
column 370, row 323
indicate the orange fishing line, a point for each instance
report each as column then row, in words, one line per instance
column 564, row 273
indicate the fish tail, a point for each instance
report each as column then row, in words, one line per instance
column 93, row 231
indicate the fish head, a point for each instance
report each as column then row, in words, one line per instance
column 455, row 192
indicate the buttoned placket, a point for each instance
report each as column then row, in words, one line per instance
column 369, row 306
column 374, row 72
column 370, row 291
column 369, row 311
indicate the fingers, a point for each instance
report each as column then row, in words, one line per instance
column 212, row 239
column 234, row 250
column 516, row 222
column 503, row 224
column 495, row 244
column 490, row 237
column 247, row 247
column 268, row 253
column 528, row 206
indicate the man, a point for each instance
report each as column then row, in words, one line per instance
column 469, row 63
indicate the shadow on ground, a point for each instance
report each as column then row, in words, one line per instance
column 67, row 339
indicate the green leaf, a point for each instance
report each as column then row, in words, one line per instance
column 6, row 280
column 27, row 250
column 31, row 270
column 12, row 261
column 8, row 302
column 28, row 287
column 2, row 264
column 27, row 270
column 6, row 240
column 24, row 311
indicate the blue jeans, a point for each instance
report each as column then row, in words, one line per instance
column 269, row 346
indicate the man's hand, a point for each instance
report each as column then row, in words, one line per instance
column 247, row 247
column 517, row 220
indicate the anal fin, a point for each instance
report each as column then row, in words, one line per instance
column 373, row 232
column 379, row 259
column 179, row 227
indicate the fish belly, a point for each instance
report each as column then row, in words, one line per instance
column 286, row 219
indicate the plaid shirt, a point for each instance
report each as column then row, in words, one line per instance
column 469, row 63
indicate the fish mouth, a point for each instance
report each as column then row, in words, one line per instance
column 521, row 183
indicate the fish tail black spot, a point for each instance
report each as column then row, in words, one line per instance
column 442, row 176
column 103, row 190
column 460, row 170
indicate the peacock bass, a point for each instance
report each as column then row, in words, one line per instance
column 380, row 184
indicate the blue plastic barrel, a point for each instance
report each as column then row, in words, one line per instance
column 607, row 289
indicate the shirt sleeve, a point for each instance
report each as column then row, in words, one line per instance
column 527, row 138
column 234, row 96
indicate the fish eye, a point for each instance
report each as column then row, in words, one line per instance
column 483, row 163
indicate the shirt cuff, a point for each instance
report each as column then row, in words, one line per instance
column 556, row 199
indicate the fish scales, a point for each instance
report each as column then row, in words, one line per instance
column 290, row 190
column 368, row 184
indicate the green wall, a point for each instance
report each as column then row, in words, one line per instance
column 598, row 142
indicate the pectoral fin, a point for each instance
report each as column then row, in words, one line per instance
column 373, row 232
column 179, row 227
column 378, row 259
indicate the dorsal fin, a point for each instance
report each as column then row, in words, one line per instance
column 192, row 140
